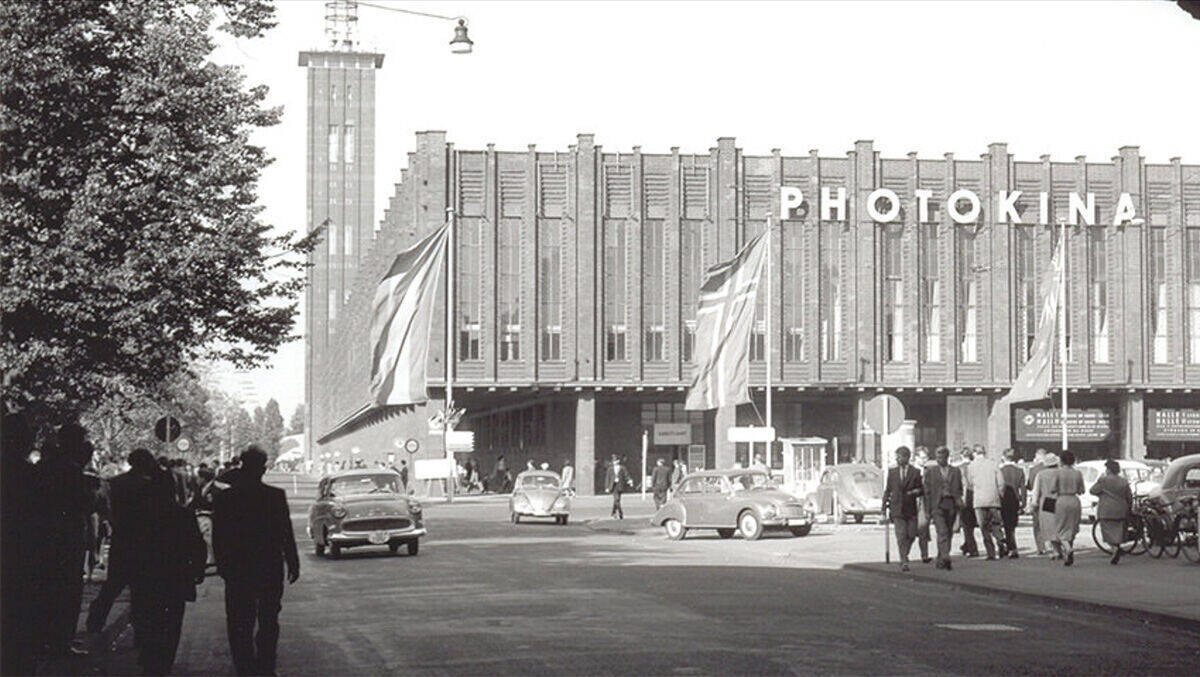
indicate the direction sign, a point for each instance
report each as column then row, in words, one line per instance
column 167, row 429
column 752, row 433
column 883, row 408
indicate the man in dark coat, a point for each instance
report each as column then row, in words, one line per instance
column 617, row 481
column 20, row 538
column 900, row 502
column 1011, row 500
column 660, row 482
column 943, row 501
column 252, row 543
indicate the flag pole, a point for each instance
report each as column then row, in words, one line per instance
column 767, row 340
column 449, row 403
column 1062, row 325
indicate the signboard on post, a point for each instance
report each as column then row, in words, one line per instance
column 433, row 468
column 883, row 414
column 460, row 441
column 1045, row 425
column 672, row 434
column 752, row 433
column 1173, row 425
column 167, row 429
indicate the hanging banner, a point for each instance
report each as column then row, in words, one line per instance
column 1045, row 425
column 1173, row 425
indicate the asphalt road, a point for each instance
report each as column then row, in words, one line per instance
column 485, row 596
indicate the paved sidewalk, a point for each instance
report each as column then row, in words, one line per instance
column 99, row 648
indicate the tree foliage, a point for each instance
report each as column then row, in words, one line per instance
column 296, row 424
column 268, row 427
column 131, row 241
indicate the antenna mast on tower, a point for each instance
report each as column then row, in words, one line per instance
column 341, row 23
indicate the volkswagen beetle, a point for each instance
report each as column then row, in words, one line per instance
column 731, row 501
column 539, row 493
column 364, row 507
column 854, row 489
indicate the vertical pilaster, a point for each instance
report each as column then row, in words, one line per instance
column 863, row 269
column 726, row 191
column 672, row 236
column 585, row 444
column 1000, row 318
column 726, row 418
column 999, row 425
column 1133, row 426
column 586, row 270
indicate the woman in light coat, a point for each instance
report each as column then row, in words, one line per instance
column 1041, row 491
column 1112, row 507
column 1066, row 488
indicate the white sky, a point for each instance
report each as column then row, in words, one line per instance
column 1067, row 79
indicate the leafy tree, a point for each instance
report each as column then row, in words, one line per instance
column 296, row 425
column 268, row 427
column 131, row 241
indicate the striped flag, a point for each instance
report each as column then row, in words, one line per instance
column 401, row 317
column 723, row 321
column 1033, row 383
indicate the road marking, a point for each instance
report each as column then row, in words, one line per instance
column 980, row 627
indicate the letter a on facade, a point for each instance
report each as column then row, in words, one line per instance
column 402, row 313
column 723, row 322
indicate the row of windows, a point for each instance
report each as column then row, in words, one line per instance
column 832, row 242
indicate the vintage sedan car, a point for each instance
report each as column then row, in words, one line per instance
column 1181, row 480
column 539, row 493
column 730, row 501
column 854, row 488
column 364, row 507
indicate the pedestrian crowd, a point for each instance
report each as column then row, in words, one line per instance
column 988, row 495
column 166, row 523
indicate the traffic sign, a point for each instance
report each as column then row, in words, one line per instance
column 183, row 444
column 752, row 433
column 167, row 429
column 411, row 445
column 884, row 411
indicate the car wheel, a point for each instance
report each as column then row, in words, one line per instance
column 335, row 550
column 801, row 531
column 726, row 533
column 675, row 529
column 858, row 519
column 414, row 547
column 750, row 525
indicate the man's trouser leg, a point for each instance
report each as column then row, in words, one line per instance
column 923, row 539
column 616, row 508
column 990, row 530
column 906, row 531
column 241, row 607
column 1039, row 539
column 101, row 606
column 1010, row 529
column 267, row 638
column 943, row 524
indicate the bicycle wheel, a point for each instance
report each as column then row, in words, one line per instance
column 1157, row 536
column 1185, row 528
column 1134, row 544
column 1098, row 539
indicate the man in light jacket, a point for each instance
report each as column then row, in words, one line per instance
column 986, row 484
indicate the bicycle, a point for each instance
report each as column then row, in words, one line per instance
column 1133, row 541
column 1185, row 529
column 1159, row 533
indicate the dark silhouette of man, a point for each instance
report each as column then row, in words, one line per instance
column 617, row 481
column 660, row 482
column 19, row 539
column 252, row 543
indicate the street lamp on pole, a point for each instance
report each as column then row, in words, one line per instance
column 461, row 44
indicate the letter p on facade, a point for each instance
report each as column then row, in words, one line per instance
column 789, row 198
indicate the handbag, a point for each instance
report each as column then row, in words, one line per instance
column 1049, row 503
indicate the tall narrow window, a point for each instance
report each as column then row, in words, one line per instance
column 348, row 144
column 508, row 301
column 967, row 279
column 931, row 293
column 831, row 292
column 1158, row 295
column 333, row 144
column 334, row 302
column 1026, row 293
column 692, row 272
column 469, row 241
column 550, row 289
column 1098, row 293
column 653, row 290
column 331, row 235
column 893, row 294
column 793, row 291
column 615, row 282
column 1192, row 281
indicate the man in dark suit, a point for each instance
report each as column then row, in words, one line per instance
column 617, row 481
column 252, row 543
column 660, row 482
column 1011, row 501
column 900, row 502
column 944, row 501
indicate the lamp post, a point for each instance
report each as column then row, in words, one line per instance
column 460, row 44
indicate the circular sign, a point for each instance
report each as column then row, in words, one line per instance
column 874, row 414
column 411, row 446
column 167, row 429
column 183, row 444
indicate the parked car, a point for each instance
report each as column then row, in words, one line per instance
column 539, row 493
column 364, row 507
column 1182, row 479
column 857, row 489
column 731, row 501
column 1139, row 475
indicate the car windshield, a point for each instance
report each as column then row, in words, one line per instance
column 749, row 481
column 539, row 482
column 870, row 484
column 357, row 485
column 1090, row 474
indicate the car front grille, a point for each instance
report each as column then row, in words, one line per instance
column 792, row 510
column 377, row 524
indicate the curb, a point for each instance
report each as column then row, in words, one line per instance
column 1180, row 622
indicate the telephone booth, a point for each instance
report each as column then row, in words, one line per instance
column 803, row 462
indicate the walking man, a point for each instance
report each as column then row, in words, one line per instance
column 986, row 485
column 943, row 499
column 967, row 516
column 617, row 482
column 900, row 502
column 1011, row 500
column 1039, row 464
column 677, row 474
column 253, row 542
column 660, row 482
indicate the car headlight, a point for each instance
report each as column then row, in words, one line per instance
column 770, row 511
column 521, row 500
column 560, row 503
column 338, row 512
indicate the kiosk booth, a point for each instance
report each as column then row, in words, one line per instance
column 803, row 463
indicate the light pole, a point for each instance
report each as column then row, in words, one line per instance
column 461, row 44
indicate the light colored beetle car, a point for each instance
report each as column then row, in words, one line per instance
column 364, row 507
column 539, row 493
column 729, row 501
